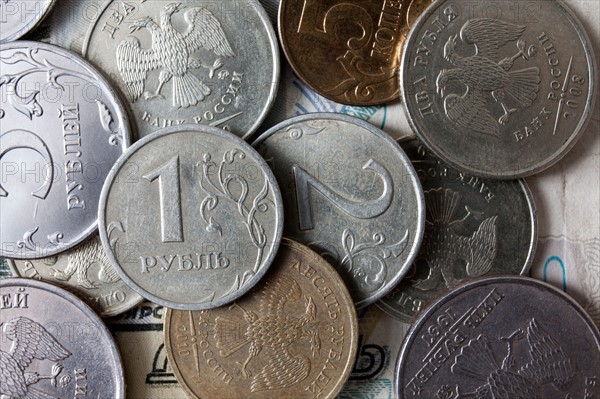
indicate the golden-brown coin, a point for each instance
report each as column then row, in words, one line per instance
column 348, row 51
column 294, row 336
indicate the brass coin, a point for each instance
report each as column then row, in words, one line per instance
column 348, row 51
column 294, row 336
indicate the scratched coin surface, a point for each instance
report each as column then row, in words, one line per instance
column 499, row 89
column 86, row 271
column 351, row 194
column 62, row 128
column 348, row 51
column 195, row 62
column 501, row 337
column 191, row 217
column 474, row 227
column 54, row 346
column 17, row 17
column 293, row 336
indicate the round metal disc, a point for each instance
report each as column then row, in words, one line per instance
column 351, row 194
column 86, row 271
column 191, row 217
column 17, row 17
column 199, row 62
column 499, row 91
column 61, row 130
column 512, row 337
column 76, row 354
column 474, row 227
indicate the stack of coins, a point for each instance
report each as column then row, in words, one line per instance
column 144, row 156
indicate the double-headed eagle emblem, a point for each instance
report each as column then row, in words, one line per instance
column 484, row 76
column 171, row 53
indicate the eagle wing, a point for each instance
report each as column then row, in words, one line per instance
column 204, row 31
column 134, row 64
column 488, row 35
column 470, row 112
column 276, row 293
column 12, row 378
column 282, row 371
column 483, row 248
column 32, row 341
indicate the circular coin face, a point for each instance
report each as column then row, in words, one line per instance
column 53, row 345
column 17, row 17
column 87, row 272
column 191, row 217
column 62, row 128
column 294, row 336
column 197, row 62
column 501, row 91
column 346, row 51
column 510, row 337
column 351, row 194
column 474, row 227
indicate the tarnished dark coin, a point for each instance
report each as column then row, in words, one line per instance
column 62, row 128
column 17, row 17
column 348, row 51
column 351, row 194
column 191, row 217
column 206, row 62
column 501, row 337
column 474, row 227
column 294, row 336
column 54, row 346
column 85, row 271
column 499, row 89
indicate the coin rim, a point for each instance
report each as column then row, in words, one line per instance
column 516, row 280
column 195, row 129
column 88, row 312
column 510, row 172
column 418, row 189
column 34, row 23
column 349, row 311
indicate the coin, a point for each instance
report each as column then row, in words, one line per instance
column 198, row 62
column 197, row 213
column 346, row 51
column 499, row 89
column 53, row 345
column 62, row 128
column 87, row 272
column 17, row 17
column 511, row 337
column 351, row 194
column 474, row 227
column 294, row 336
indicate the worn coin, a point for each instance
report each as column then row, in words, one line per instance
column 498, row 88
column 205, row 62
column 87, row 272
column 348, row 51
column 474, row 227
column 501, row 337
column 294, row 336
column 351, row 194
column 53, row 345
column 62, row 128
column 17, row 17
column 197, row 214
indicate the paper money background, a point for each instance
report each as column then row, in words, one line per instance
column 567, row 198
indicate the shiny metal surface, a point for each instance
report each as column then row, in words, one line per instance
column 18, row 17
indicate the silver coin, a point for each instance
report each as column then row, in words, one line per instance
column 351, row 194
column 199, row 212
column 17, row 17
column 198, row 62
column 86, row 271
column 501, row 337
column 62, row 128
column 474, row 227
column 53, row 345
column 499, row 89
